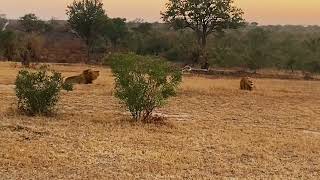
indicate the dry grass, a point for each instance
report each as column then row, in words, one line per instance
column 213, row 130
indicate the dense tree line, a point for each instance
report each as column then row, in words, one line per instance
column 282, row 47
column 227, row 43
column 251, row 47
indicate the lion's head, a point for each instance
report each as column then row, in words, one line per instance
column 90, row 75
column 246, row 84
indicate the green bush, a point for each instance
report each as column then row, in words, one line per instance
column 143, row 83
column 9, row 44
column 38, row 92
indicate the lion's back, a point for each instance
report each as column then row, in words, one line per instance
column 86, row 77
column 75, row 80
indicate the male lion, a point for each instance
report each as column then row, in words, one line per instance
column 87, row 77
column 246, row 84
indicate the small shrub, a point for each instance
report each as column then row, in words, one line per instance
column 38, row 91
column 143, row 83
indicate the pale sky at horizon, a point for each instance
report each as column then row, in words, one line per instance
column 261, row 11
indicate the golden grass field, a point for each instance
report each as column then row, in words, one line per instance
column 212, row 130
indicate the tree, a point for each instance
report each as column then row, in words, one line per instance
column 85, row 17
column 30, row 49
column 257, row 48
column 313, row 45
column 8, row 44
column 183, row 48
column 144, row 28
column 115, row 30
column 203, row 17
column 32, row 24
column 292, row 51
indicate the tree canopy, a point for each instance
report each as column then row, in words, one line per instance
column 8, row 44
column 31, row 23
column 203, row 16
column 85, row 17
column 115, row 29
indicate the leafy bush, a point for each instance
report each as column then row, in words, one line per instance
column 38, row 92
column 143, row 83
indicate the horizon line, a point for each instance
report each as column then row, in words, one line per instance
column 161, row 22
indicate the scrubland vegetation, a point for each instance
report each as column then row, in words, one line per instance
column 250, row 46
column 134, row 114
column 211, row 129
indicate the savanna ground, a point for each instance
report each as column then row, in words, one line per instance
column 212, row 130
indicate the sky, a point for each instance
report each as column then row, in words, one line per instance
column 295, row 12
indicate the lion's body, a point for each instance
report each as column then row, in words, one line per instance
column 76, row 80
column 246, row 84
column 87, row 77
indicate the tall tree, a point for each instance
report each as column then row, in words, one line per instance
column 115, row 30
column 85, row 17
column 203, row 17
column 256, row 51
column 32, row 24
